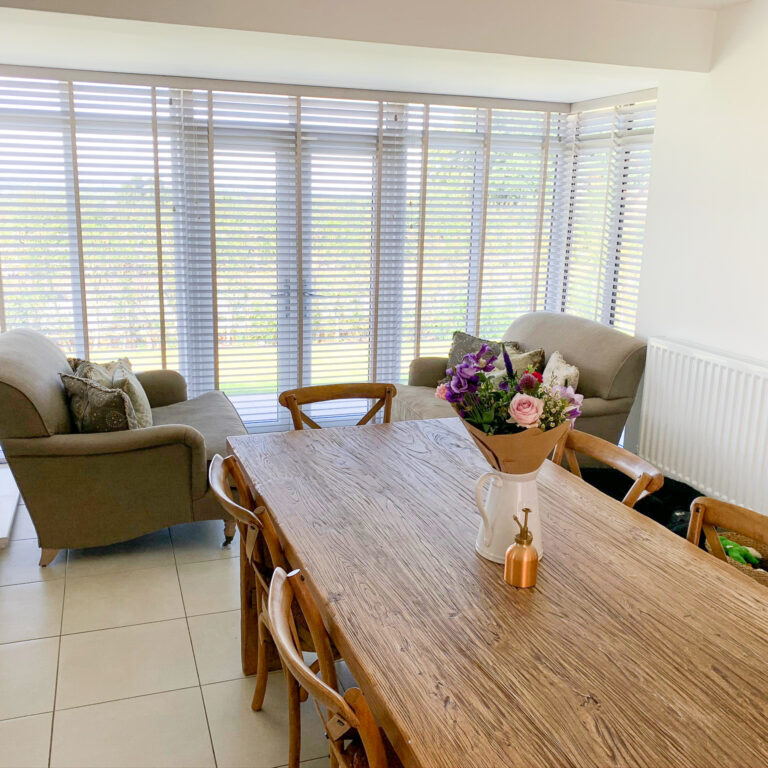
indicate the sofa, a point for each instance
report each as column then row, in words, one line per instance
column 610, row 366
column 87, row 490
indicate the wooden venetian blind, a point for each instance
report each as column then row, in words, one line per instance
column 602, row 171
column 258, row 242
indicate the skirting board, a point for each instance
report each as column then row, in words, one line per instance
column 9, row 500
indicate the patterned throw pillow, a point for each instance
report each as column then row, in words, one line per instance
column 96, row 408
column 560, row 372
column 466, row 344
column 119, row 375
column 521, row 361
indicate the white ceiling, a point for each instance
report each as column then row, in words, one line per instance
column 41, row 39
column 712, row 5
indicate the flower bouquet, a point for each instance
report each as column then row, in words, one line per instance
column 515, row 419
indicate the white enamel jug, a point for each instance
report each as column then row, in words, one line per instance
column 506, row 497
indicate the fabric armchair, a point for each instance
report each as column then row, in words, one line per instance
column 85, row 490
column 610, row 365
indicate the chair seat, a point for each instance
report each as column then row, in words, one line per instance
column 211, row 414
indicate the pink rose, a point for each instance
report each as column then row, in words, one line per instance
column 442, row 392
column 525, row 410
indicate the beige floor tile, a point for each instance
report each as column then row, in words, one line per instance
column 344, row 676
column 29, row 611
column 165, row 730
column 151, row 551
column 196, row 542
column 210, row 587
column 129, row 661
column 19, row 564
column 246, row 739
column 27, row 677
column 23, row 527
column 216, row 640
column 25, row 741
column 321, row 762
column 120, row 599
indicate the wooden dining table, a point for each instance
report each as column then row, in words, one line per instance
column 635, row 648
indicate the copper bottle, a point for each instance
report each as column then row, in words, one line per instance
column 522, row 560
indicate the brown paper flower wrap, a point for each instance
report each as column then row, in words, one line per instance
column 519, row 453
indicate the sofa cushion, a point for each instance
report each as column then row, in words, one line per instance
column 413, row 403
column 211, row 414
column 96, row 408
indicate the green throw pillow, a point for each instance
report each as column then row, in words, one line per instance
column 98, row 409
column 119, row 375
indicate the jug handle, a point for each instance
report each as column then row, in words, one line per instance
column 479, row 488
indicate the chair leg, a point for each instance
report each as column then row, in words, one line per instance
column 47, row 556
column 230, row 526
column 262, row 673
column 294, row 722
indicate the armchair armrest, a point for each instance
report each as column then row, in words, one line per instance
column 163, row 387
column 427, row 371
column 86, row 490
column 598, row 406
column 124, row 442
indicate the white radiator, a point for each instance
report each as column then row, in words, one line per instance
column 705, row 421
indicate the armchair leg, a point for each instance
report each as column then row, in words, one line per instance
column 230, row 526
column 47, row 556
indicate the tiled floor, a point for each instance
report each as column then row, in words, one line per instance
column 130, row 656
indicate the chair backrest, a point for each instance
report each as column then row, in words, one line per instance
column 647, row 478
column 707, row 514
column 610, row 362
column 293, row 399
column 33, row 402
column 256, row 525
column 343, row 714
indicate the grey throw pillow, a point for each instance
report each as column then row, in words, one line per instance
column 98, row 409
column 466, row 344
column 119, row 375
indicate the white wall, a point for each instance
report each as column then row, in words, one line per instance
column 705, row 263
column 705, row 266
column 604, row 31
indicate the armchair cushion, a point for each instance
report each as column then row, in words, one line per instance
column 211, row 414
column 414, row 403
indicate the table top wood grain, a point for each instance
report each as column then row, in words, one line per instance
column 634, row 649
